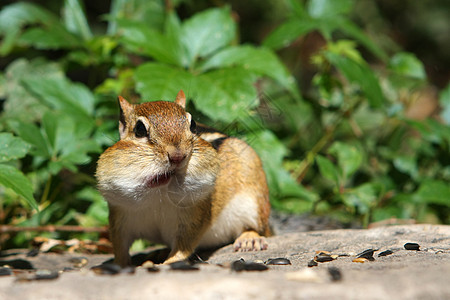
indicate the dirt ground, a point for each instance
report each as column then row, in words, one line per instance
column 404, row 274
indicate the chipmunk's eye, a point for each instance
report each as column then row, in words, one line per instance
column 193, row 126
column 140, row 130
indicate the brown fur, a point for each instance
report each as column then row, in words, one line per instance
column 241, row 170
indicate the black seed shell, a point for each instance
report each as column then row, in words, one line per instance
column 412, row 246
column 278, row 261
column 335, row 273
column 5, row 271
column 107, row 269
column 386, row 253
column 367, row 254
column 241, row 265
column 183, row 266
column 312, row 263
column 323, row 258
column 46, row 275
column 33, row 252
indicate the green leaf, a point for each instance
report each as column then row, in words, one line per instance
column 98, row 210
column 408, row 165
column 49, row 124
column 432, row 131
column 407, row 64
column 434, row 192
column 296, row 7
column 444, row 101
column 12, row 147
column 173, row 31
column 9, row 40
column 3, row 82
column 14, row 179
column 155, row 81
column 288, row 32
column 362, row 197
column 49, row 38
column 327, row 169
column 75, row 19
column 440, row 130
column 31, row 134
column 60, row 131
column 259, row 60
column 329, row 8
column 226, row 94
column 54, row 167
column 150, row 13
column 77, row 153
column 349, row 158
column 73, row 99
column 21, row 13
column 60, row 93
column 347, row 49
column 268, row 146
column 64, row 138
column 353, row 30
column 142, row 39
column 272, row 151
column 30, row 108
column 14, row 16
column 207, row 32
column 115, row 86
column 361, row 74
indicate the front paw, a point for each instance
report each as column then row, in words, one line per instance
column 250, row 241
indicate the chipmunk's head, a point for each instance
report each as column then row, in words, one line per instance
column 158, row 147
column 164, row 126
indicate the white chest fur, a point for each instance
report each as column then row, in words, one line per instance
column 155, row 217
column 240, row 214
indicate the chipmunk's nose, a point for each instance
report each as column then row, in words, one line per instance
column 176, row 157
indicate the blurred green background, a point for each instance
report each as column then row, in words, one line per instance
column 347, row 102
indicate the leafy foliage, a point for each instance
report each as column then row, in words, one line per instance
column 346, row 145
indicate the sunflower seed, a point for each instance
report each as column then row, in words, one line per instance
column 5, row 271
column 78, row 262
column 335, row 273
column 278, row 261
column 241, row 265
column 360, row 260
column 367, row 254
column 323, row 258
column 45, row 275
column 386, row 253
column 312, row 263
column 412, row 246
column 183, row 266
column 107, row 269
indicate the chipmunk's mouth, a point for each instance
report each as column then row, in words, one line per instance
column 159, row 179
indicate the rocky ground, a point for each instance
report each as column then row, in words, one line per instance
column 403, row 274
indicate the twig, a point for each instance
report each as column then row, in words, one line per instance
column 52, row 228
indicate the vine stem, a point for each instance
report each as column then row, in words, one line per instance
column 300, row 172
column 44, row 198
column 46, row 190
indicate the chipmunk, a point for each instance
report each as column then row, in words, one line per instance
column 171, row 181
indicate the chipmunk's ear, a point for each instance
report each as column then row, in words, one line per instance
column 125, row 109
column 181, row 99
